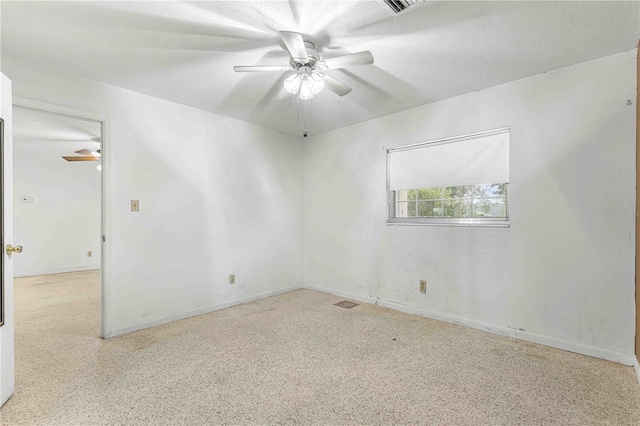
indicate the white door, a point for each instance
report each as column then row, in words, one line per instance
column 7, row 372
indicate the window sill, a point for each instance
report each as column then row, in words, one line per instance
column 478, row 224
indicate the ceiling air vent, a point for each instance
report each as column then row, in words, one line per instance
column 398, row 6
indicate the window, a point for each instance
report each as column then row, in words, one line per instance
column 456, row 181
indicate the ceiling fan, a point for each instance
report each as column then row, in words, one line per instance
column 309, row 77
column 86, row 155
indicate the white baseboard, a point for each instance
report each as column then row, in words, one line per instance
column 364, row 299
column 619, row 357
column 55, row 271
column 118, row 331
column 609, row 355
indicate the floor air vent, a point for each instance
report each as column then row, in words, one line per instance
column 398, row 6
column 346, row 304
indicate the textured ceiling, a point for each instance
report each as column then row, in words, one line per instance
column 185, row 51
column 43, row 131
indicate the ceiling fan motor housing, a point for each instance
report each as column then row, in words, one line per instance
column 313, row 62
column 305, row 70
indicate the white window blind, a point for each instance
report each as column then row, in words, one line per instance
column 468, row 160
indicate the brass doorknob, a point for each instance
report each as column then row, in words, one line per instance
column 12, row 249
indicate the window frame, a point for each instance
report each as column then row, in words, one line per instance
column 502, row 222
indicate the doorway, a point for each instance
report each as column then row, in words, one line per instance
column 58, row 176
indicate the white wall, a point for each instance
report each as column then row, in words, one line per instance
column 62, row 224
column 217, row 196
column 562, row 274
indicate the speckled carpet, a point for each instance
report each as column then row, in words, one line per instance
column 293, row 359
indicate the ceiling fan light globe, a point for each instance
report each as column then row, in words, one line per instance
column 306, row 90
column 306, row 95
column 292, row 84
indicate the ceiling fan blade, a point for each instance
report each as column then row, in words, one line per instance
column 295, row 45
column 84, row 152
column 88, row 152
column 260, row 68
column 359, row 58
column 335, row 86
column 83, row 158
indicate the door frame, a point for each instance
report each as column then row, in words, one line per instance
column 105, row 189
column 2, row 301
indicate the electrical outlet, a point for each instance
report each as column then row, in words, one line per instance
column 89, row 254
column 135, row 205
column 423, row 286
column 232, row 279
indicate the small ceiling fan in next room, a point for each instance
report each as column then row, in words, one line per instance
column 85, row 155
column 308, row 77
